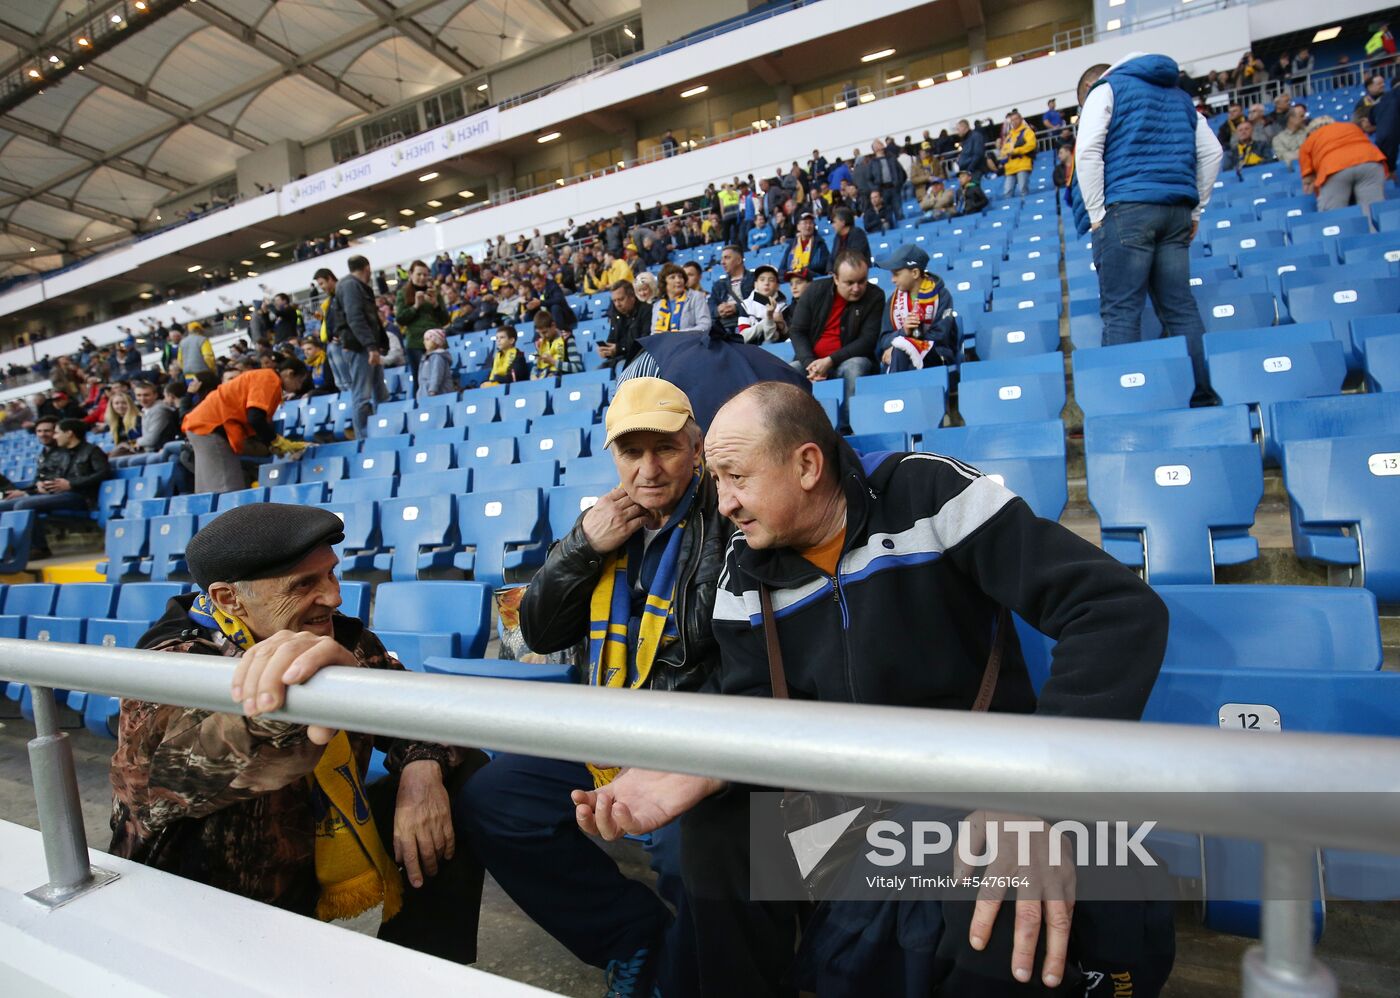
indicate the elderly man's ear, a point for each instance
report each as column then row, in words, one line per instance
column 226, row 598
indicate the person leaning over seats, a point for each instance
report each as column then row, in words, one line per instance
column 841, row 544
column 269, row 809
column 231, row 418
column 635, row 578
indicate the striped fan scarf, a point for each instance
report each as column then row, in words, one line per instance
column 621, row 654
column 354, row 871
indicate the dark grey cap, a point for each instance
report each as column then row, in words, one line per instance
column 259, row 541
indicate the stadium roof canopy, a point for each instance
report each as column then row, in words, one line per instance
column 178, row 90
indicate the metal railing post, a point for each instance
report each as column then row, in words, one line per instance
column 1282, row 966
column 60, row 814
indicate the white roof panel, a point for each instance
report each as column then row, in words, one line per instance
column 293, row 107
column 107, row 119
column 396, row 70
column 207, row 64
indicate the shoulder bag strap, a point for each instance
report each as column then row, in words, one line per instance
column 990, row 674
column 776, row 677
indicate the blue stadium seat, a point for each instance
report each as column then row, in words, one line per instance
column 305, row 494
column 1326, row 227
column 477, row 407
column 1383, row 247
column 1133, row 377
column 496, row 668
column 1342, row 299
column 354, row 600
column 385, row 424
column 139, row 605
column 155, row 480
column 1261, row 366
column 426, row 458
column 916, row 410
column 168, row 538
column 111, row 497
column 363, row 489
column 454, row 481
column 573, row 397
column 379, row 445
column 1356, row 703
column 1028, row 389
column 1225, row 306
column 498, row 431
column 24, row 600
column 76, row 603
column 507, row 530
column 485, row 453
column 243, row 497
column 540, row 474
column 279, row 473
column 1026, row 296
column 1161, row 509
column 421, row 531
column 417, row 620
column 433, row 417
column 525, row 402
column 1377, row 339
column 125, row 547
column 357, row 549
column 319, row 469
column 144, row 509
column 1386, row 215
column 374, row 465
column 592, row 471
column 560, row 445
column 16, row 532
column 445, row 435
column 1007, row 339
column 566, row 503
column 1028, row 458
column 191, row 504
column 1345, row 492
column 1335, row 416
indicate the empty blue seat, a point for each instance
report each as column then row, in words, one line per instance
column 1356, row 703
column 167, row 540
column 916, row 410
column 1026, row 296
column 155, row 481
column 305, row 494
column 1335, row 416
column 560, row 445
column 1261, row 366
column 16, row 532
column 385, row 424
column 243, row 497
column 1029, row 389
column 1133, row 377
column 567, row 503
column 540, row 474
column 358, row 547
column 433, row 417
column 1325, row 227
column 378, row 445
column 319, row 469
column 496, row 668
column 111, row 497
column 1223, row 306
column 192, row 504
column 374, row 465
column 125, row 547
column 1370, row 247
column 1028, row 458
column 1345, row 492
column 354, row 600
column 1342, row 299
column 363, row 489
column 138, row 606
column 1162, row 509
column 1007, row 339
column 507, row 530
column 484, row 453
column 24, row 600
column 426, row 457
column 417, row 620
column 453, row 481
column 572, row 397
column 76, row 603
column 420, row 530
column 477, row 406
column 341, row 448
column 525, row 403
column 279, row 473
column 497, row 431
column 144, row 509
column 592, row 471
column 1377, row 339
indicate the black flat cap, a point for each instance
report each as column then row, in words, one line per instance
column 259, row 541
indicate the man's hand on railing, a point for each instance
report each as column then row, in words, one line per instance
column 1047, row 895
column 263, row 674
column 640, row 801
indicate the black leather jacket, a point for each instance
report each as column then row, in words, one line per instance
column 84, row 466
column 554, row 613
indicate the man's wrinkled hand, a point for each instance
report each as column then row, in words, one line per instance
column 423, row 835
column 1048, row 897
column 288, row 658
column 819, row 369
column 639, row 801
column 611, row 520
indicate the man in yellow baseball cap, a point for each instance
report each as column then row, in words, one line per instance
column 635, row 579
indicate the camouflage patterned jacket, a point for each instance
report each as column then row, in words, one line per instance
column 223, row 799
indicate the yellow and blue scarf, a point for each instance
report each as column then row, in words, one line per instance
column 668, row 314
column 354, row 871
column 622, row 648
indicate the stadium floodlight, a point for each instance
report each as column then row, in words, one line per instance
column 955, row 74
column 547, row 137
column 116, row 19
column 1114, row 24
column 191, row 270
column 266, row 245
column 877, row 56
column 246, row 263
column 427, row 176
column 274, row 254
column 465, row 194
column 345, row 232
column 897, row 78
column 1327, row 34
column 53, row 59
column 866, row 97
column 356, row 216
column 927, row 81
column 407, row 212
column 430, row 220
column 83, row 42
column 482, row 87
column 628, row 32
column 1003, row 62
column 33, row 74
column 380, row 221
column 435, row 204
column 695, row 91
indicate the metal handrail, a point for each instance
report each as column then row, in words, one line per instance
column 1011, row 762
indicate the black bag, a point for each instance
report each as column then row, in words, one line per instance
column 801, row 808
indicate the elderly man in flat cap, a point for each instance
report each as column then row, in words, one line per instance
column 277, row 811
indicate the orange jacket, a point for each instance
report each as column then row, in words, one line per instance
column 1332, row 148
column 228, row 406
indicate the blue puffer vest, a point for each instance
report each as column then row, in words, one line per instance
column 1150, row 150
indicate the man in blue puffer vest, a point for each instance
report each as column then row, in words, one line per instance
column 1145, row 164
